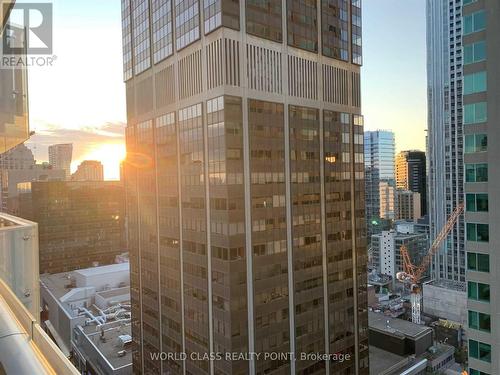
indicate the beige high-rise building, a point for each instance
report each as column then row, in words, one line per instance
column 387, row 194
column 245, row 185
column 411, row 174
column 60, row 157
column 408, row 205
column 89, row 170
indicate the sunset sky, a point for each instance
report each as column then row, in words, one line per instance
column 82, row 98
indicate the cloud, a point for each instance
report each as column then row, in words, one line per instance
column 84, row 139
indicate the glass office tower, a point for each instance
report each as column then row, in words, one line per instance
column 445, row 133
column 245, row 185
column 380, row 177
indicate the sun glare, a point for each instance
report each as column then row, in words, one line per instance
column 110, row 155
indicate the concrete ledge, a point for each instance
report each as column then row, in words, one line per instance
column 45, row 350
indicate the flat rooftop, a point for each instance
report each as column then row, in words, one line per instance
column 382, row 361
column 458, row 286
column 395, row 327
column 102, row 270
column 59, row 283
column 112, row 344
column 436, row 351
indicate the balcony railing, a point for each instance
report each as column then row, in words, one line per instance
column 24, row 347
column 19, row 260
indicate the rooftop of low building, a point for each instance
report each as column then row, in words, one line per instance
column 395, row 326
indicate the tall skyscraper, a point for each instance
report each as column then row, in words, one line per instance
column 481, row 92
column 445, row 132
column 245, row 184
column 411, row 175
column 60, row 157
column 379, row 150
column 89, row 170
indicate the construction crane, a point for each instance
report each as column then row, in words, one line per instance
column 412, row 274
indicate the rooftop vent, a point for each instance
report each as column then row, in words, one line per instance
column 125, row 339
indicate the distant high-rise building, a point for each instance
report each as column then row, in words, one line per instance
column 386, row 254
column 10, row 181
column 17, row 158
column 89, row 170
column 379, row 150
column 245, row 184
column 445, row 133
column 60, row 157
column 18, row 166
column 408, row 205
column 387, row 193
column 80, row 223
column 481, row 117
column 411, row 175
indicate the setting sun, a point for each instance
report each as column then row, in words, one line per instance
column 110, row 155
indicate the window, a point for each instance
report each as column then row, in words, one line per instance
column 477, row 232
column 474, row 52
column 474, row 83
column 335, row 28
column 479, row 321
column 263, row 19
column 475, row 113
column 480, row 350
column 478, row 291
column 476, row 172
column 478, row 262
column 476, row 143
column 302, row 24
column 476, row 202
column 187, row 22
column 476, row 372
column 474, row 22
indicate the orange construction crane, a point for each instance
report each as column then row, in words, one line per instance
column 413, row 274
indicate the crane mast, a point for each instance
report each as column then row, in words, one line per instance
column 413, row 274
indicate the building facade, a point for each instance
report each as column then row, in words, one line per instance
column 89, row 170
column 80, row 224
column 245, row 185
column 379, row 150
column 408, row 205
column 386, row 254
column 481, row 45
column 18, row 157
column 445, row 133
column 12, row 182
column 18, row 166
column 411, row 175
column 60, row 157
column 387, row 196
